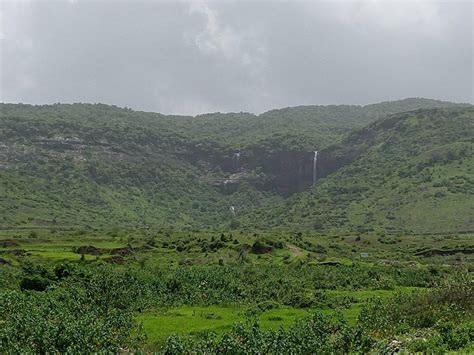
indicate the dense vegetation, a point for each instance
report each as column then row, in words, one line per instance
column 100, row 166
column 120, row 294
column 411, row 173
column 395, row 318
column 125, row 231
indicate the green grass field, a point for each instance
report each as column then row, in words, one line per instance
column 156, row 249
column 161, row 247
column 195, row 321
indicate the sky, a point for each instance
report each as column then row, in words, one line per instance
column 222, row 56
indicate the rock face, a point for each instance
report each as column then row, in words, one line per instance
column 282, row 171
column 88, row 249
column 285, row 172
column 265, row 168
column 330, row 161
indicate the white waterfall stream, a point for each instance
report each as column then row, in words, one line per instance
column 315, row 163
column 236, row 160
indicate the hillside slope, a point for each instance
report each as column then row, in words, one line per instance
column 410, row 172
column 96, row 165
column 103, row 166
column 301, row 127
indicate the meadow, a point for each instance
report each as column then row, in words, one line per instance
column 173, row 292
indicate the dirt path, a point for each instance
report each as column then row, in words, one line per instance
column 295, row 251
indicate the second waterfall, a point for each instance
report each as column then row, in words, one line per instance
column 315, row 165
column 236, row 159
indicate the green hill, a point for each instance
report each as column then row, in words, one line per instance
column 104, row 166
column 410, row 172
column 303, row 127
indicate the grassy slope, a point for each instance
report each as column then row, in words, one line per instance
column 411, row 172
column 302, row 127
column 127, row 168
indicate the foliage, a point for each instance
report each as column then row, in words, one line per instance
column 407, row 173
column 92, row 305
column 327, row 334
column 166, row 187
column 100, row 166
column 379, row 322
column 72, row 319
column 443, row 309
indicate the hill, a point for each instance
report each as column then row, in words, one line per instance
column 302, row 127
column 104, row 166
column 410, row 172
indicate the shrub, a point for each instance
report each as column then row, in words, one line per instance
column 34, row 283
column 62, row 320
column 325, row 333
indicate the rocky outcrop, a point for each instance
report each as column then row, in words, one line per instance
column 285, row 172
column 88, row 249
column 265, row 168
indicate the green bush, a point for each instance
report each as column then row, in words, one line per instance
column 324, row 333
column 62, row 321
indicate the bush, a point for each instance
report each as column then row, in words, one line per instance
column 325, row 333
column 440, row 309
column 34, row 283
column 59, row 321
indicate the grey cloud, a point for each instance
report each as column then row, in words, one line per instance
column 189, row 58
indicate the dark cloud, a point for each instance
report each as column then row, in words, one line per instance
column 194, row 57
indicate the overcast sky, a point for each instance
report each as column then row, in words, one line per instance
column 196, row 57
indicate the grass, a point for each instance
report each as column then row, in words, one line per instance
column 195, row 321
column 312, row 247
column 160, row 324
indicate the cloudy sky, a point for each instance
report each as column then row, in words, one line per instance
column 195, row 57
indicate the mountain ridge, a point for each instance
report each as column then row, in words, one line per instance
column 98, row 165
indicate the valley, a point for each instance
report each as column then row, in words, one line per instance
column 343, row 228
column 101, row 166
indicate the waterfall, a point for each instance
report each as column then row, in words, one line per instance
column 315, row 162
column 232, row 209
column 236, row 159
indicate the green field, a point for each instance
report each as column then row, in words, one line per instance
column 159, row 324
column 200, row 285
column 127, row 232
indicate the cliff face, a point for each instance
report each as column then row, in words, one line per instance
column 277, row 170
column 287, row 172
column 284, row 172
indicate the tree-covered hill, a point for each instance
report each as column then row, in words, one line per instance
column 409, row 172
column 303, row 127
column 104, row 166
